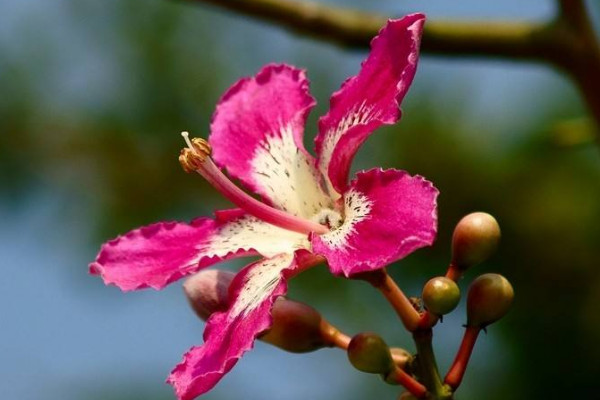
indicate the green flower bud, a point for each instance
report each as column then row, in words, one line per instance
column 296, row 327
column 368, row 352
column 489, row 299
column 475, row 239
column 441, row 295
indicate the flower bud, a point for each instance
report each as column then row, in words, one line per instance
column 368, row 352
column 207, row 291
column 489, row 299
column 440, row 295
column 474, row 240
column 296, row 326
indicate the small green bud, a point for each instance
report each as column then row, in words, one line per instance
column 296, row 326
column 474, row 240
column 489, row 299
column 368, row 352
column 441, row 295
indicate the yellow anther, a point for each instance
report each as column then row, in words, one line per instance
column 202, row 146
column 192, row 157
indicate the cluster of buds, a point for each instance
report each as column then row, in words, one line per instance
column 299, row 328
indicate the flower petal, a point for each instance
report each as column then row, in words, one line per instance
column 257, row 132
column 368, row 99
column 158, row 254
column 228, row 335
column 388, row 215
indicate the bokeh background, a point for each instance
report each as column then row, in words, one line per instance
column 93, row 95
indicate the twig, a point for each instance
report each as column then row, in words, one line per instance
column 381, row 281
column 355, row 29
column 567, row 43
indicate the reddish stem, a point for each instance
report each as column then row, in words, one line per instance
column 395, row 296
column 427, row 320
column 333, row 336
column 411, row 384
column 459, row 366
column 453, row 273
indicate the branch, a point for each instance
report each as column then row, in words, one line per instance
column 355, row 29
column 567, row 43
column 581, row 55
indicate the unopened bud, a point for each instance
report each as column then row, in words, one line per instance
column 475, row 239
column 368, row 352
column 207, row 291
column 489, row 299
column 296, row 326
column 441, row 295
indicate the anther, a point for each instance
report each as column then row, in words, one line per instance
column 193, row 156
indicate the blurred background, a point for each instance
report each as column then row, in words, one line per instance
column 93, row 96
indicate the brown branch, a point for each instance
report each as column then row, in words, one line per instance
column 567, row 43
column 580, row 57
column 355, row 29
column 572, row 11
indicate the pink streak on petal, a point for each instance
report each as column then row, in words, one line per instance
column 228, row 336
column 379, row 87
column 158, row 254
column 402, row 218
column 255, row 108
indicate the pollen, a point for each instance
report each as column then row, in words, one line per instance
column 193, row 156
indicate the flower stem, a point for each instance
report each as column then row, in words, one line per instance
column 453, row 273
column 381, row 280
column 427, row 320
column 427, row 366
column 459, row 366
column 333, row 336
column 400, row 376
column 336, row 338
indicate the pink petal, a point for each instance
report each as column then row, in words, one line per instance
column 257, row 132
column 228, row 335
column 158, row 254
column 388, row 215
column 369, row 99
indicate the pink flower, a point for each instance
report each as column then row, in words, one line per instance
column 309, row 211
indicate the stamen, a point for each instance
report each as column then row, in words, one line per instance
column 192, row 157
column 196, row 157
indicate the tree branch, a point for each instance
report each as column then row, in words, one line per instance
column 567, row 43
column 355, row 29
